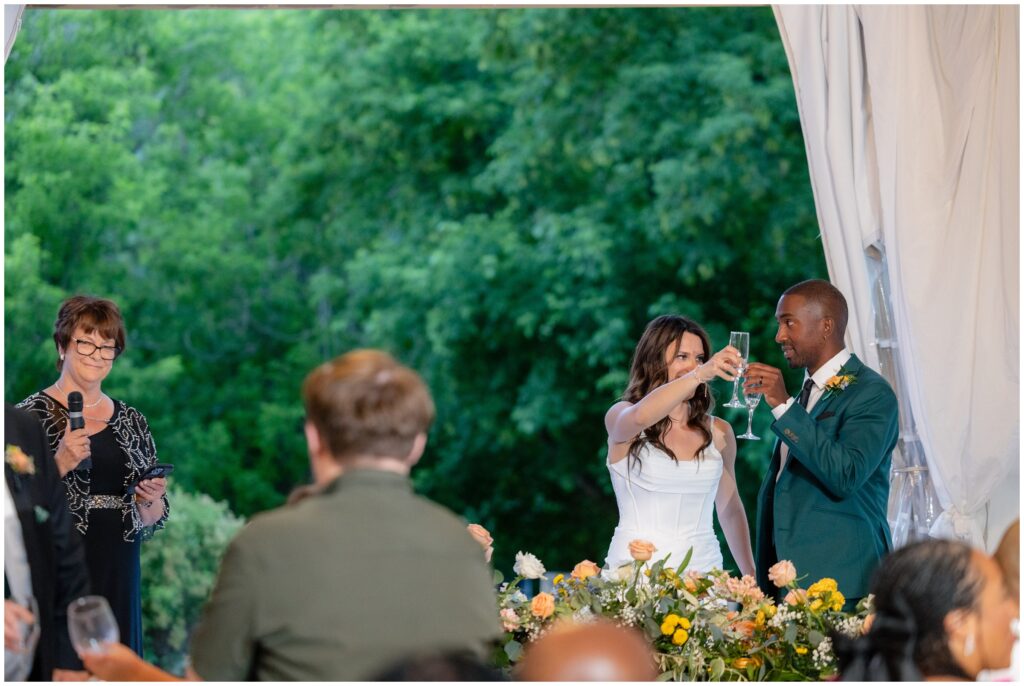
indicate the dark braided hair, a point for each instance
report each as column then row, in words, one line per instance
column 915, row 588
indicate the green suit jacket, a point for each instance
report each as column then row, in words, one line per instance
column 827, row 512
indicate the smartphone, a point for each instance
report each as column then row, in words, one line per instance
column 152, row 472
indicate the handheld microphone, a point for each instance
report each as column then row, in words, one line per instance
column 75, row 418
column 77, row 421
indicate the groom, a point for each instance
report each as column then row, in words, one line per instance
column 823, row 503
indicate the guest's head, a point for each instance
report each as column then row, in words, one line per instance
column 451, row 666
column 365, row 410
column 1007, row 556
column 812, row 317
column 89, row 335
column 670, row 347
column 941, row 611
column 597, row 651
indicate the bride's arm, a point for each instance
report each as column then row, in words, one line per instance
column 731, row 513
column 625, row 420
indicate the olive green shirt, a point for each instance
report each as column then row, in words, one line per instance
column 344, row 583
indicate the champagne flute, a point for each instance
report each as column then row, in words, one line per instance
column 91, row 624
column 752, row 400
column 741, row 341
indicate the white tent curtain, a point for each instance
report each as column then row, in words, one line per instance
column 910, row 118
column 12, row 22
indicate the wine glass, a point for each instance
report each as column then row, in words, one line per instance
column 91, row 624
column 741, row 341
column 28, row 632
column 752, row 400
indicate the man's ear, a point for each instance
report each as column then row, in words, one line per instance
column 419, row 444
column 313, row 442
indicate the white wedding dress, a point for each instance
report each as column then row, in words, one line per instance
column 669, row 503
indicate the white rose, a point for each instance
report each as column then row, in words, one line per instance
column 528, row 566
column 624, row 573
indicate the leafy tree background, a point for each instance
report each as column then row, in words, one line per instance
column 501, row 198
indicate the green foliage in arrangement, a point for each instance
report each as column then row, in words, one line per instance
column 179, row 566
column 500, row 198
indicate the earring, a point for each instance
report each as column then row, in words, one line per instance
column 969, row 644
column 61, row 358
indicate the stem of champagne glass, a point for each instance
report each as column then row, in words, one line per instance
column 750, row 421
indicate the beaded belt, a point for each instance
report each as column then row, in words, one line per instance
column 104, row 502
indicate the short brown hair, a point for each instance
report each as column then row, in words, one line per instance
column 92, row 314
column 366, row 403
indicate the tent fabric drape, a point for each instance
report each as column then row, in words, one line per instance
column 910, row 118
column 12, row 22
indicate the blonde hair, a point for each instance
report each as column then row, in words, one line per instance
column 364, row 403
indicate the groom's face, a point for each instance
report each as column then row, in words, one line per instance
column 801, row 334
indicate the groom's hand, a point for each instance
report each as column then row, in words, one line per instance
column 768, row 380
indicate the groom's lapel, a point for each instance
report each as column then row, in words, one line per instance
column 852, row 366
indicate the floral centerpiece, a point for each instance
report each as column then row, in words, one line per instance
column 702, row 626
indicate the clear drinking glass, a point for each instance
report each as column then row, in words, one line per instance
column 91, row 624
column 752, row 400
column 741, row 341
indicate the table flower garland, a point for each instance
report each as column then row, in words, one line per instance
column 703, row 626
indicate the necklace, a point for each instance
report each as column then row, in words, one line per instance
column 57, row 384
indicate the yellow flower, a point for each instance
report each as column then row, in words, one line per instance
column 685, row 623
column 801, row 650
column 668, row 625
column 838, row 600
column 558, row 579
column 769, row 611
column 822, row 585
column 816, row 605
column 680, row 637
column 759, row 619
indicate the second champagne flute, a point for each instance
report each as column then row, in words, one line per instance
column 752, row 400
column 741, row 341
column 91, row 624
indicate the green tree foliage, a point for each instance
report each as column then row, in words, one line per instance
column 501, row 198
column 179, row 566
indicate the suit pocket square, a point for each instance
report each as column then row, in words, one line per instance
column 42, row 514
column 826, row 415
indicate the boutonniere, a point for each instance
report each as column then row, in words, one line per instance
column 42, row 514
column 20, row 462
column 839, row 383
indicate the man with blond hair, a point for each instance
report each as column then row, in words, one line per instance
column 361, row 574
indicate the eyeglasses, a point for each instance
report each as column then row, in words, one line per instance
column 87, row 348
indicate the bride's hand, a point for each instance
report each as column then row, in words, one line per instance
column 724, row 364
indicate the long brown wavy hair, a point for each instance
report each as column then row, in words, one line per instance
column 648, row 371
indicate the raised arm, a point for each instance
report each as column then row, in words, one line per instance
column 625, row 420
column 731, row 513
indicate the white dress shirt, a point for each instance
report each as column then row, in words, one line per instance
column 17, row 666
column 820, row 378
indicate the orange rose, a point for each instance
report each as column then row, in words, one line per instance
column 585, row 569
column 543, row 605
column 746, row 628
column 480, row 535
column 641, row 550
column 742, row 662
column 796, row 597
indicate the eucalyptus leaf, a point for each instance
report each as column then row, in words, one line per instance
column 717, row 668
column 514, row 650
column 815, row 637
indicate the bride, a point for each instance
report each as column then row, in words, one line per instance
column 671, row 462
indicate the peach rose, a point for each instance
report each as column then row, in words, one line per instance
column 796, row 597
column 641, row 550
column 868, row 621
column 782, row 573
column 585, row 569
column 543, row 605
column 744, row 628
column 483, row 537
